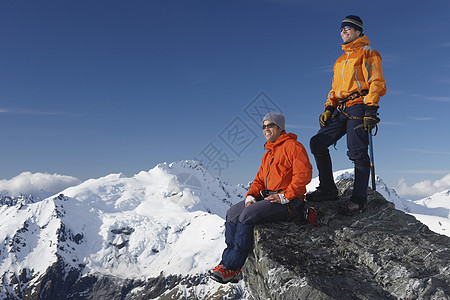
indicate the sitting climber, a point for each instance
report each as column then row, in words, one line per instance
column 276, row 194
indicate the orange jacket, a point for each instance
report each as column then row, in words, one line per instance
column 359, row 68
column 285, row 166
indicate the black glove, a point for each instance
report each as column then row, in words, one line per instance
column 326, row 115
column 370, row 117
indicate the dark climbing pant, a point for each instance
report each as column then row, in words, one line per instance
column 239, row 225
column 357, row 146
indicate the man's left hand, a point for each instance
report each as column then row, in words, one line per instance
column 370, row 118
column 277, row 198
column 273, row 198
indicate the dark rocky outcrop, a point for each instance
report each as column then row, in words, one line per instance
column 381, row 253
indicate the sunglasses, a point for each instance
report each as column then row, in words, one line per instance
column 346, row 28
column 270, row 125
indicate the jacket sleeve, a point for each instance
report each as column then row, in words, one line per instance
column 373, row 74
column 258, row 183
column 301, row 172
column 332, row 98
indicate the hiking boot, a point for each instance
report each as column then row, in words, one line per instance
column 215, row 269
column 223, row 275
column 354, row 206
column 321, row 194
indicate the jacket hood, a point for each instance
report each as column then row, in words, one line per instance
column 358, row 43
column 284, row 137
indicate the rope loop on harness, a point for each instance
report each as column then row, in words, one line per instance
column 376, row 130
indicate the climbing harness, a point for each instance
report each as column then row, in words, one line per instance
column 342, row 103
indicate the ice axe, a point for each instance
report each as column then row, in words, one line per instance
column 372, row 163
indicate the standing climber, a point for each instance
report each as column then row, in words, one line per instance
column 351, row 108
column 276, row 194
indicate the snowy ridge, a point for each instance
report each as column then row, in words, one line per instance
column 20, row 200
column 434, row 211
column 29, row 239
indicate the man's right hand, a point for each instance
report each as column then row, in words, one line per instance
column 326, row 115
column 249, row 200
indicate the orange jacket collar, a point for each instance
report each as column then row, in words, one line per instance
column 358, row 43
column 280, row 140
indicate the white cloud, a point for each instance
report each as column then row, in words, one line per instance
column 294, row 126
column 38, row 184
column 425, row 151
column 442, row 99
column 394, row 92
column 30, row 112
column 423, row 118
column 423, row 188
column 389, row 123
column 445, row 81
column 432, row 98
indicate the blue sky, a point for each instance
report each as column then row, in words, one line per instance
column 89, row 88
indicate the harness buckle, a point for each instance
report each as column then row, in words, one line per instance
column 352, row 96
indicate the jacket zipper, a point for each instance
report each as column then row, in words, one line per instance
column 342, row 73
column 267, row 176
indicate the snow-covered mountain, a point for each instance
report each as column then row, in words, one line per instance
column 168, row 220
column 434, row 211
